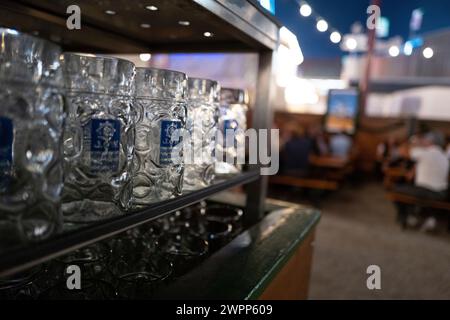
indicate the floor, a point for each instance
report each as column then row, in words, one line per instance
column 358, row 229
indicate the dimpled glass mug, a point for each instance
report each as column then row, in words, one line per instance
column 98, row 137
column 202, row 127
column 231, row 130
column 161, row 110
column 31, row 120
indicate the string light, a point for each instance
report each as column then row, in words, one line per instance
column 305, row 10
column 335, row 37
column 428, row 53
column 351, row 44
column 394, row 51
column 322, row 25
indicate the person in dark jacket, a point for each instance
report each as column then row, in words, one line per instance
column 296, row 152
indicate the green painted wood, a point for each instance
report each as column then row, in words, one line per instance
column 245, row 267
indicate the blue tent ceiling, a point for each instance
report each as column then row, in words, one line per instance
column 341, row 15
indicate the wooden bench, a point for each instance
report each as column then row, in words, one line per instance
column 393, row 175
column 329, row 162
column 310, row 183
column 439, row 206
column 433, row 204
column 335, row 168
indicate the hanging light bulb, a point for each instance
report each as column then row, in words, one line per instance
column 394, row 51
column 322, row 25
column 351, row 44
column 428, row 53
column 335, row 37
column 305, row 10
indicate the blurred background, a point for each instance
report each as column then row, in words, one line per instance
column 363, row 115
column 352, row 104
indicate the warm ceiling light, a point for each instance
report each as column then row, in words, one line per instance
column 322, row 25
column 208, row 34
column 394, row 51
column 335, row 37
column 145, row 25
column 305, row 10
column 428, row 53
column 184, row 23
column 145, row 57
column 151, row 8
column 110, row 12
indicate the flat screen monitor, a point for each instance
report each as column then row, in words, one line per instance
column 342, row 110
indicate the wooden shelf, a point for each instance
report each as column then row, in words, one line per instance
column 21, row 258
column 235, row 25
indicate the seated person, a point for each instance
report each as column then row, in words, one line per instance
column 389, row 155
column 394, row 157
column 448, row 149
column 320, row 141
column 430, row 172
column 295, row 153
column 388, row 152
column 341, row 145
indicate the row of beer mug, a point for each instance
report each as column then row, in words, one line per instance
column 135, row 264
column 85, row 137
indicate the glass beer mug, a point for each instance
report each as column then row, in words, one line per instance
column 161, row 115
column 98, row 137
column 231, row 131
column 31, row 121
column 202, row 127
